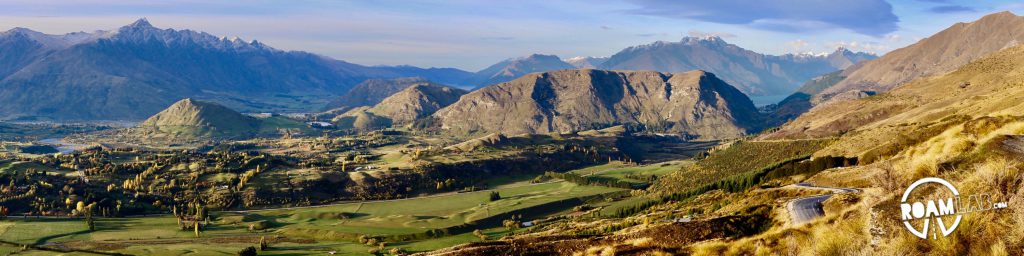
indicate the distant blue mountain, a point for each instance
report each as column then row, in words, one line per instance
column 752, row 73
column 510, row 69
column 138, row 70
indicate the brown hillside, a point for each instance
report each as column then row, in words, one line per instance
column 371, row 92
column 416, row 101
column 936, row 55
column 991, row 86
column 694, row 103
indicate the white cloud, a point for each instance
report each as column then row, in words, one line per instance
column 893, row 37
column 797, row 45
column 698, row 33
column 868, row 17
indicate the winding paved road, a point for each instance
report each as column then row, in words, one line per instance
column 804, row 209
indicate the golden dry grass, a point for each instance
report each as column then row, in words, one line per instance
column 849, row 231
column 927, row 128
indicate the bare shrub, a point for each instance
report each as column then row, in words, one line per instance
column 888, row 179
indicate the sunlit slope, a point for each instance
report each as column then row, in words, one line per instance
column 991, row 86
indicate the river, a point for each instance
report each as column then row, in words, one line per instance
column 62, row 146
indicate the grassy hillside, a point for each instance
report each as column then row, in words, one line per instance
column 801, row 101
column 192, row 120
column 964, row 127
column 738, row 158
column 989, row 86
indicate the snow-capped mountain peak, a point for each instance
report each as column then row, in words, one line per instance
column 140, row 23
column 143, row 31
column 55, row 41
column 586, row 61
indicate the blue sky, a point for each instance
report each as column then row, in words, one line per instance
column 473, row 34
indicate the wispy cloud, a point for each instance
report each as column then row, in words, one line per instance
column 499, row 38
column 951, row 9
column 869, row 17
column 698, row 33
column 893, row 37
column 798, row 45
column 473, row 34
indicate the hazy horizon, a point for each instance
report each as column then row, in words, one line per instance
column 472, row 35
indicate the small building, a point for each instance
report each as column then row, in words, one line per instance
column 320, row 124
column 261, row 115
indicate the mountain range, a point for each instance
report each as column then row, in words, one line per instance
column 990, row 86
column 103, row 75
column 132, row 72
column 936, row 55
column 586, row 62
column 695, row 103
column 753, row 73
column 510, row 69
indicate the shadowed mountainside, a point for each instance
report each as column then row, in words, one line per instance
column 989, row 86
column 694, row 103
column 510, row 69
column 936, row 55
column 371, row 92
column 750, row 72
column 135, row 71
column 414, row 102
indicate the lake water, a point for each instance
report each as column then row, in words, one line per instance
column 765, row 100
column 62, row 147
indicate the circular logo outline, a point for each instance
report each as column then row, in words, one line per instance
column 942, row 226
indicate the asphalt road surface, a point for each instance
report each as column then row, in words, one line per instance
column 804, row 209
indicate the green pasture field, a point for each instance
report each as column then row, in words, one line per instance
column 229, row 232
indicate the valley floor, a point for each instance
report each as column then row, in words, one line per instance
column 324, row 228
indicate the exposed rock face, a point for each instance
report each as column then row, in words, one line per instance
column 936, row 55
column 416, row 101
column 751, row 72
column 695, row 103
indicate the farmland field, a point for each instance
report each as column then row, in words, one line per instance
column 624, row 172
column 421, row 214
column 324, row 228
